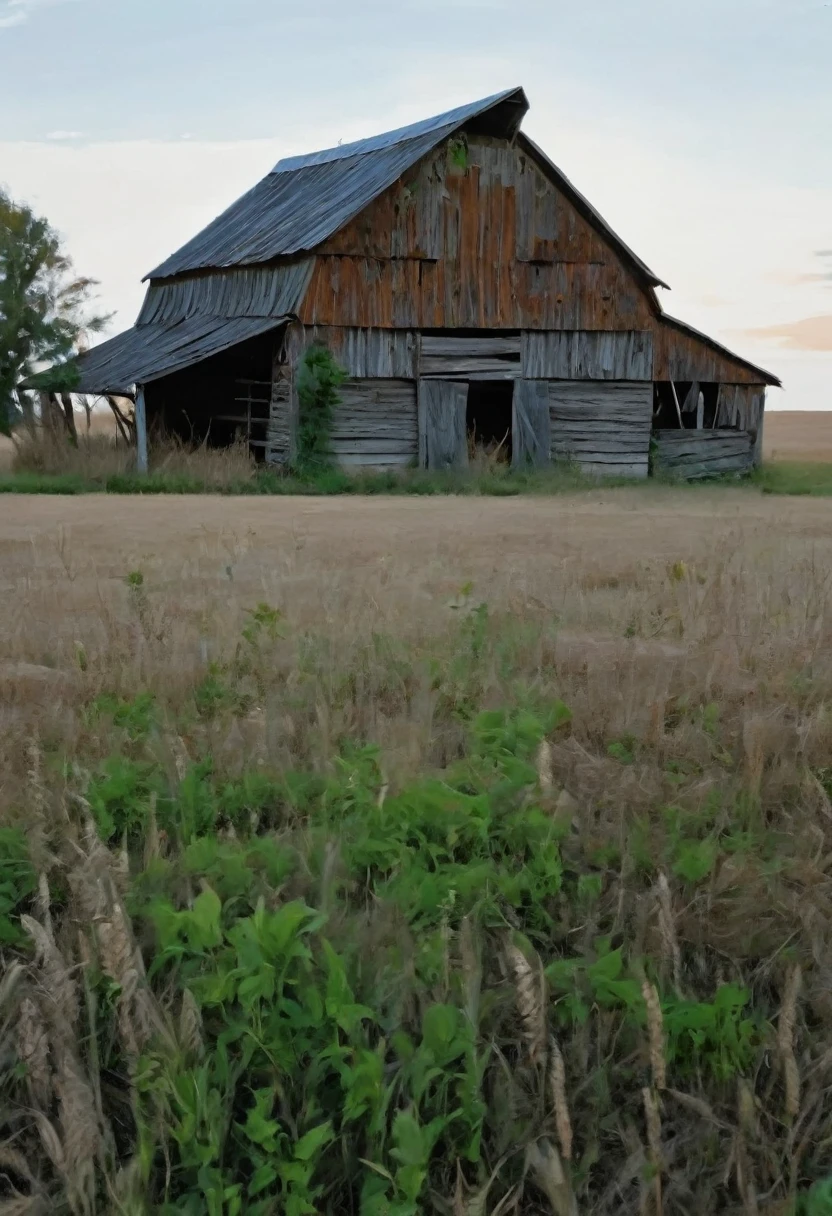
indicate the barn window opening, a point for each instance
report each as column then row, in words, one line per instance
column 696, row 401
column 488, row 419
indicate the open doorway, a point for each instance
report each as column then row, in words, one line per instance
column 488, row 420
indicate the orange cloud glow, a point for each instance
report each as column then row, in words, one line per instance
column 812, row 333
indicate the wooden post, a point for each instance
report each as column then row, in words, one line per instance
column 700, row 410
column 141, row 430
column 678, row 406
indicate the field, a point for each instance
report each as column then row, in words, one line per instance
column 800, row 435
column 400, row 856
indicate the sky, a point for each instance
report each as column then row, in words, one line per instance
column 701, row 130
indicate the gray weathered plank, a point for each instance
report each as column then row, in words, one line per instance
column 485, row 358
column 697, row 454
column 602, row 425
column 375, row 423
column 446, row 439
column 637, row 470
column 587, row 355
column 531, row 426
column 451, row 346
column 446, row 367
column 381, row 354
column 283, row 407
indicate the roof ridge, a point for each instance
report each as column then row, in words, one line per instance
column 399, row 135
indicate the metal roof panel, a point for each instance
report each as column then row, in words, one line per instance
column 147, row 352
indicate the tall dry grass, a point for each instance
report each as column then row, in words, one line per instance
column 101, row 456
column 692, row 787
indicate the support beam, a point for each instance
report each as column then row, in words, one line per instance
column 141, row 430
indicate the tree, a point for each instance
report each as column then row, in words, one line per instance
column 45, row 309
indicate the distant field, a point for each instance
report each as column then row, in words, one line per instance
column 798, row 435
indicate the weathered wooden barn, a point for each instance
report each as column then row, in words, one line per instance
column 470, row 292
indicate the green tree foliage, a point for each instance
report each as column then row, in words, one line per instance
column 44, row 307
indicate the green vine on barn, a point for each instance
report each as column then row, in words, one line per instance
column 319, row 378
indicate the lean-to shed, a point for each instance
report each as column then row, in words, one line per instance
column 470, row 292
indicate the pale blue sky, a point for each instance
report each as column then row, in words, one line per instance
column 701, row 130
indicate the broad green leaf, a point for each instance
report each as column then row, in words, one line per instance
column 310, row 1143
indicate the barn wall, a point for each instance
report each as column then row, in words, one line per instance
column 283, row 411
column 368, row 353
column 466, row 357
column 679, row 355
column 603, row 427
column 582, row 355
column 375, row 424
column 494, row 244
column 693, row 455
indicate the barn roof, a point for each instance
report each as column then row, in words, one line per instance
column 305, row 200
column 146, row 352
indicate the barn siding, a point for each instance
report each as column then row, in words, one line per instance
column 603, row 427
column 386, row 354
column 531, row 432
column 443, row 440
column 493, row 246
column 375, row 424
column 236, row 291
column 692, row 455
column 679, row 355
column 465, row 357
column 582, row 355
column 283, row 410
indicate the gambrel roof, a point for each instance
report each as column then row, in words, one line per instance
column 305, row 200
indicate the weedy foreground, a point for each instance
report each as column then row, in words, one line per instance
column 490, row 915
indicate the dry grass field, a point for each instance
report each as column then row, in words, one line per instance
column 555, row 772
column 360, row 565
column 801, row 435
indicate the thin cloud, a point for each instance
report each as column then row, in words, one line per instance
column 13, row 13
column 796, row 278
column 811, row 333
column 17, row 12
column 58, row 136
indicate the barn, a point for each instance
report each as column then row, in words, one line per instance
column 470, row 293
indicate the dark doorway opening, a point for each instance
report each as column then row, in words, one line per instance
column 488, row 419
column 220, row 401
column 665, row 413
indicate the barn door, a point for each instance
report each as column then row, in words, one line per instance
column 530, row 429
column 442, row 433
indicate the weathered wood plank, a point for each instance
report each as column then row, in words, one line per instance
column 445, row 431
column 367, row 460
column 602, row 425
column 452, row 346
column 531, row 425
column 588, row 355
column 375, row 423
column 365, row 353
column 697, row 454
column 444, row 367
column 283, row 408
column 636, row 471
